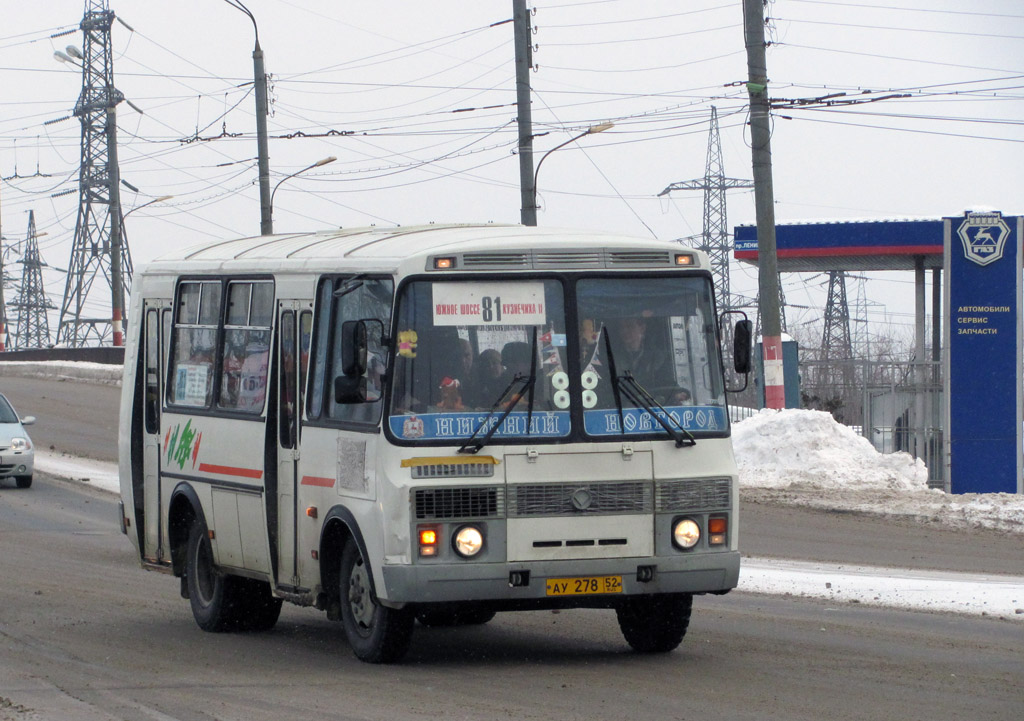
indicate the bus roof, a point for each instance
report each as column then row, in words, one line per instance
column 383, row 248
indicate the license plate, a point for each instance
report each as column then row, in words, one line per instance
column 583, row 585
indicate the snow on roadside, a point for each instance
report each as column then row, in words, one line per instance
column 804, row 458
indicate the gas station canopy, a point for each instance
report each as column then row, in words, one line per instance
column 851, row 245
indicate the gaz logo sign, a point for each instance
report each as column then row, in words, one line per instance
column 983, row 236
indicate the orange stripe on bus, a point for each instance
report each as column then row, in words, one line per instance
column 230, row 471
column 317, row 481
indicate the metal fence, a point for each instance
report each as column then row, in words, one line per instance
column 898, row 406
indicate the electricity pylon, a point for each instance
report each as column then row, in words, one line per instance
column 715, row 239
column 836, row 341
column 32, row 305
column 99, row 249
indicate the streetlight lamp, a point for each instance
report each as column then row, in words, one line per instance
column 593, row 129
column 317, row 164
column 161, row 199
column 262, row 152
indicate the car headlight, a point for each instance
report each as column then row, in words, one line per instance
column 468, row 541
column 686, row 533
column 20, row 444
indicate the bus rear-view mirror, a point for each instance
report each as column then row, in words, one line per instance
column 741, row 346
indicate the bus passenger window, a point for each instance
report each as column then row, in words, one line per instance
column 190, row 382
column 246, row 346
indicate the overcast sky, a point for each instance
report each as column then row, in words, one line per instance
column 417, row 101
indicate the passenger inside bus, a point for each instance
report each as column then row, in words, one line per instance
column 486, row 378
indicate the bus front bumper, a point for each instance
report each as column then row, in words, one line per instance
column 525, row 584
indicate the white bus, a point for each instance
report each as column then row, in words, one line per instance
column 431, row 423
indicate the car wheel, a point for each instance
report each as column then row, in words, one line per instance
column 655, row 624
column 377, row 634
column 23, row 481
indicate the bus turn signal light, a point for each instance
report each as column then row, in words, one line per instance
column 717, row 530
column 428, row 541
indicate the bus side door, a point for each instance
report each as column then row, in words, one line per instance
column 295, row 321
column 155, row 335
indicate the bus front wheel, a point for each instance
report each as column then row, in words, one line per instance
column 377, row 634
column 655, row 624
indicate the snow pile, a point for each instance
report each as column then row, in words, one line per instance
column 796, row 448
column 805, row 458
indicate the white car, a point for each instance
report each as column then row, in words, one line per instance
column 16, row 454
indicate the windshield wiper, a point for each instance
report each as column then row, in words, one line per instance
column 528, row 383
column 628, row 386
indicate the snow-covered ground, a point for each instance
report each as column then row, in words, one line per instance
column 801, row 458
column 805, row 458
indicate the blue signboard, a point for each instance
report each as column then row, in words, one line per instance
column 460, row 426
column 983, row 359
column 605, row 421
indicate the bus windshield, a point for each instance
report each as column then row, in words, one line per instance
column 468, row 351
column 650, row 339
column 492, row 359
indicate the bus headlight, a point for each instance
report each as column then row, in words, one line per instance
column 685, row 533
column 468, row 541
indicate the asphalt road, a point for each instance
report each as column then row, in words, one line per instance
column 85, row 634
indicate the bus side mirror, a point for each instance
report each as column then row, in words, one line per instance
column 350, row 386
column 349, row 389
column 353, row 348
column 741, row 346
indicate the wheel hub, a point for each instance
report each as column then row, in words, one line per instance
column 359, row 598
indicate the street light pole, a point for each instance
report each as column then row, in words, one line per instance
column 262, row 149
column 317, row 164
column 592, row 130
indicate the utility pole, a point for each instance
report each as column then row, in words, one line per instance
column 117, row 293
column 262, row 150
column 259, row 79
column 524, row 61
column 764, row 202
column 3, row 285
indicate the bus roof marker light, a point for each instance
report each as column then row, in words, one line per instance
column 684, row 259
column 446, row 263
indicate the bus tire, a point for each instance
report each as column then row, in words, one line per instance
column 655, row 624
column 460, row 617
column 23, row 481
column 217, row 599
column 261, row 609
column 376, row 633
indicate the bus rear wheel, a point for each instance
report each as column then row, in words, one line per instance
column 655, row 624
column 377, row 634
column 217, row 599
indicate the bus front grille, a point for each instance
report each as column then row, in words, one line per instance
column 435, row 504
column 571, row 499
column 694, row 495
